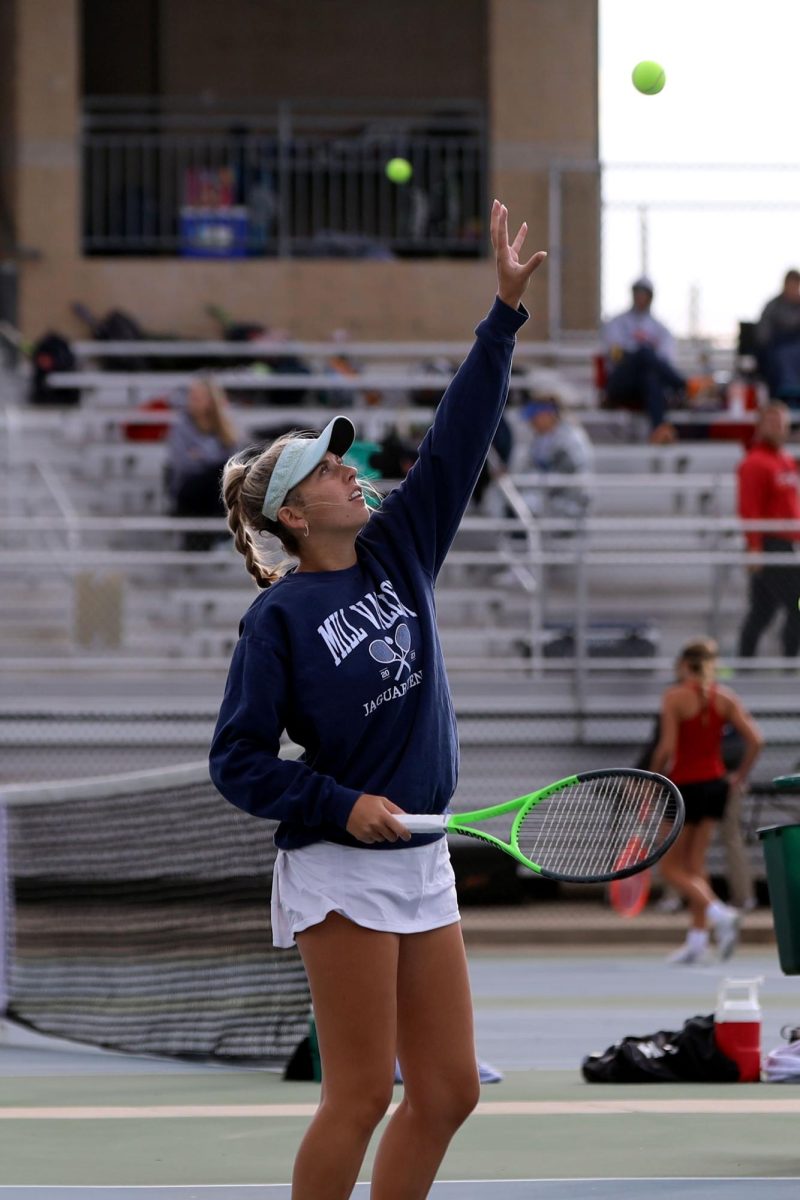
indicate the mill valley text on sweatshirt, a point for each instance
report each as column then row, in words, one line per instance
column 348, row 663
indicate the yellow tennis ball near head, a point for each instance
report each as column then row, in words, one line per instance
column 399, row 170
column 648, row 77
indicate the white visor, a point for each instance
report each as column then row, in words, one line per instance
column 299, row 457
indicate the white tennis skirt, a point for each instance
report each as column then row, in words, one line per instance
column 395, row 891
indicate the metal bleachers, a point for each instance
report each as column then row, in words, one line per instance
column 652, row 507
column 115, row 640
column 657, row 513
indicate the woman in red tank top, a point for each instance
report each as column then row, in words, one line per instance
column 694, row 712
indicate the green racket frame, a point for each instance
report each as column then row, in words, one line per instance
column 463, row 823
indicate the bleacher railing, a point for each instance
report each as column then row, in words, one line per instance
column 287, row 179
column 509, row 583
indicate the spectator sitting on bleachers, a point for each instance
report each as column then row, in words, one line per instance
column 560, row 446
column 485, row 496
column 395, row 457
column 199, row 444
column 639, row 362
column 778, row 340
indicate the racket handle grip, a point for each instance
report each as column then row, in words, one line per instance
column 422, row 822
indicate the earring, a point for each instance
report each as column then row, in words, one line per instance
column 306, row 530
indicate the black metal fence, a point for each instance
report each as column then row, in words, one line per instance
column 175, row 180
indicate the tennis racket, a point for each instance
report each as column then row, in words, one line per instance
column 588, row 828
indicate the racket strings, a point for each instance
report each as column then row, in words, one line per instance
column 564, row 829
column 582, row 829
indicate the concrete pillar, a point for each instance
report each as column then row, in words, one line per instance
column 8, row 239
column 47, row 121
column 543, row 109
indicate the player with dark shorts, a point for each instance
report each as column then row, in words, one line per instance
column 706, row 800
column 694, row 713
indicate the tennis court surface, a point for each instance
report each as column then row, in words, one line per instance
column 107, row 1126
column 463, row 1189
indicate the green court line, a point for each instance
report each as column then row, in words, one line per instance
column 250, row 1151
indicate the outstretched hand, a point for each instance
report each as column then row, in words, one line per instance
column 513, row 276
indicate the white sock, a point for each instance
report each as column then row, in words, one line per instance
column 697, row 939
column 716, row 911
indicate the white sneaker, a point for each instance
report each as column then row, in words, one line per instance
column 688, row 956
column 726, row 933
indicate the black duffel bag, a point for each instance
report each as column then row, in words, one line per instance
column 688, row 1056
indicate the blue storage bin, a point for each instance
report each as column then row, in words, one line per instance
column 214, row 232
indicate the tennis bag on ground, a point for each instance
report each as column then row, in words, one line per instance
column 52, row 353
column 689, row 1056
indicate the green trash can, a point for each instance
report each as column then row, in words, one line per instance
column 781, row 845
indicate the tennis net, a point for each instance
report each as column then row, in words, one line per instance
column 134, row 915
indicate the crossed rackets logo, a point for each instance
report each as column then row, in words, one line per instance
column 393, row 650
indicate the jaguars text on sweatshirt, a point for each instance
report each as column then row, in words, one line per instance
column 348, row 663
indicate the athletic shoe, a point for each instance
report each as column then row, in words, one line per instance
column 688, row 956
column 726, row 933
column 486, row 1073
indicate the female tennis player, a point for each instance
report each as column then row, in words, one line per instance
column 342, row 653
column 694, row 713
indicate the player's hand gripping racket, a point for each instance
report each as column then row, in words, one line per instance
column 588, row 828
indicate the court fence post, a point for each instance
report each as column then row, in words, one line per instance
column 6, row 913
column 581, row 617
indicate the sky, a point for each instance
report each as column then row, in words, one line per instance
column 716, row 242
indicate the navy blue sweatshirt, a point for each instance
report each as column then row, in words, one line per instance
column 349, row 662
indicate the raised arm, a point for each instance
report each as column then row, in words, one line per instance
column 425, row 511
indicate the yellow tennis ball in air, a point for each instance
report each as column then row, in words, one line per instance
column 399, row 170
column 648, row 77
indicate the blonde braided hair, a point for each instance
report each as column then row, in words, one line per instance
column 244, row 486
column 700, row 657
